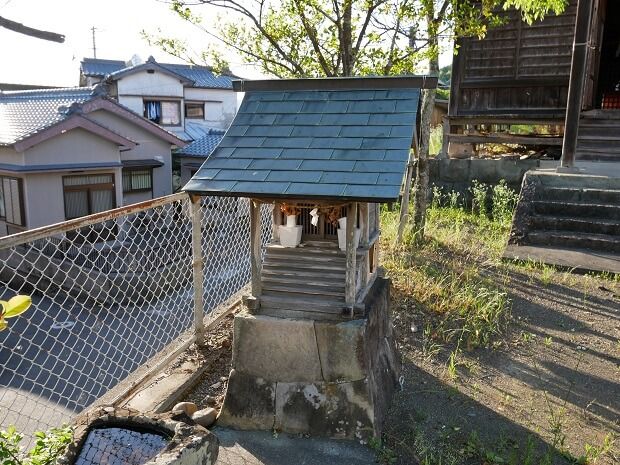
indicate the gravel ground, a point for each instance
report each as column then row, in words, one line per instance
column 210, row 390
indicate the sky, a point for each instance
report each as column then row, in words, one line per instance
column 27, row 60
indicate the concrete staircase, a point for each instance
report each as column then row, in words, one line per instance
column 599, row 136
column 303, row 281
column 568, row 213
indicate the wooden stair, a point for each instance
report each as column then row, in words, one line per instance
column 307, row 281
column 599, row 136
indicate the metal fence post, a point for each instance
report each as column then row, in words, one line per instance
column 197, row 269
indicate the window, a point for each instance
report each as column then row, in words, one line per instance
column 137, row 180
column 85, row 195
column 12, row 201
column 195, row 110
column 164, row 112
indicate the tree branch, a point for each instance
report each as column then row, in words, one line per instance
column 30, row 31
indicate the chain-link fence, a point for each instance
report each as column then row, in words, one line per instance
column 109, row 292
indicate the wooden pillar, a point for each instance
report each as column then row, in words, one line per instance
column 404, row 203
column 364, row 236
column 277, row 221
column 350, row 287
column 255, row 247
column 576, row 84
column 197, row 269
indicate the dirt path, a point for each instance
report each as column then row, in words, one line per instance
column 549, row 388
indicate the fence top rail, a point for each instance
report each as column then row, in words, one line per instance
column 69, row 225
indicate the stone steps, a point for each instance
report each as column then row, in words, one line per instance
column 560, row 223
column 577, row 209
column 574, row 212
column 575, row 240
column 603, row 196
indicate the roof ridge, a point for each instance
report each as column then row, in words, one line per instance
column 56, row 90
column 102, row 60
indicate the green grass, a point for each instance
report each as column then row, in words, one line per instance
column 445, row 277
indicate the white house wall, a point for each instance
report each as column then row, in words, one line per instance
column 156, row 85
column 74, row 146
column 220, row 118
column 149, row 147
column 10, row 156
column 44, row 197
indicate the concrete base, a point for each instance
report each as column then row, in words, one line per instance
column 578, row 261
column 265, row 448
column 314, row 377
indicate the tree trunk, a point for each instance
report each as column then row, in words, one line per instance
column 420, row 194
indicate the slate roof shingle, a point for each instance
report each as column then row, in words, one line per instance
column 201, row 76
column 350, row 144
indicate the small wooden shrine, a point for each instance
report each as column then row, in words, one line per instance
column 326, row 149
column 315, row 353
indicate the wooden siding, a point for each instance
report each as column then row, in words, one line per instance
column 516, row 68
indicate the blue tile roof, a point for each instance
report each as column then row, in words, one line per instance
column 350, row 143
column 202, row 148
column 23, row 113
column 201, row 76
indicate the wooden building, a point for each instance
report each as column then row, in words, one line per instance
column 519, row 74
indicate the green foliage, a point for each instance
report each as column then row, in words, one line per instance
column 504, row 201
column 479, row 193
column 385, row 455
column 534, row 10
column 47, row 448
column 313, row 38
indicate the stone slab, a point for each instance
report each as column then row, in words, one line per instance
column 341, row 350
column 583, row 261
column 249, row 403
column 337, row 410
column 265, row 448
column 281, row 349
column 164, row 391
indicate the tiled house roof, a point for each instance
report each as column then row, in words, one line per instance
column 23, row 113
column 345, row 138
column 200, row 76
column 202, row 148
column 26, row 114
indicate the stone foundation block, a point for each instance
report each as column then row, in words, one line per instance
column 276, row 348
column 328, row 409
column 341, row 350
column 249, row 402
column 324, row 378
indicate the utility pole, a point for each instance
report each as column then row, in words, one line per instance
column 93, row 29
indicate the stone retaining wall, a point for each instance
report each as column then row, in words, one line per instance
column 457, row 175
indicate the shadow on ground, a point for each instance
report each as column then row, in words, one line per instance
column 545, row 391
